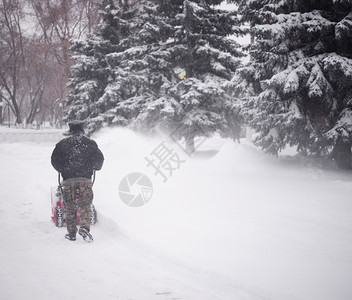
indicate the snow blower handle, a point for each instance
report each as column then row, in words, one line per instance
column 93, row 177
column 60, row 186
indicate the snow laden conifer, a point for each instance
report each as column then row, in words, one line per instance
column 141, row 70
column 173, row 75
column 168, row 68
column 209, row 58
column 91, row 73
column 297, row 88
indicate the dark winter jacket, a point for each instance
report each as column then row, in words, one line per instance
column 77, row 156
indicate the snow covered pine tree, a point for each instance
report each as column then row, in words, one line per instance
column 201, row 45
column 154, row 39
column 297, row 88
column 91, row 73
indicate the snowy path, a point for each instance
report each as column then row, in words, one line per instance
column 260, row 230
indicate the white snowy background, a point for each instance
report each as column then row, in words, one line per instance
column 231, row 223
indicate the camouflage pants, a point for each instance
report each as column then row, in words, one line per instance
column 78, row 193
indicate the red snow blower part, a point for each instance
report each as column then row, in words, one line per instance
column 58, row 210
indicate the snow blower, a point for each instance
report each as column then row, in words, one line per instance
column 58, row 211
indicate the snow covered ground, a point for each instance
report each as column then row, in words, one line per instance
column 231, row 223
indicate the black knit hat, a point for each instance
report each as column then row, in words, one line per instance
column 76, row 126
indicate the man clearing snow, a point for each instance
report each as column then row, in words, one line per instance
column 76, row 158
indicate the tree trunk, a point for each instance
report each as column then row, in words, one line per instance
column 190, row 145
column 16, row 111
column 342, row 153
column 1, row 112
